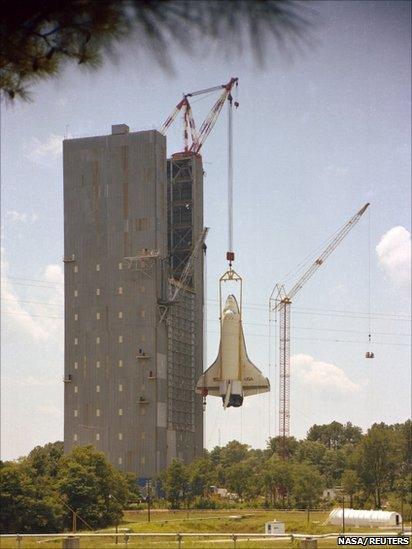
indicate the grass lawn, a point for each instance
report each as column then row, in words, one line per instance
column 251, row 521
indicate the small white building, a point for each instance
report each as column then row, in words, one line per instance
column 362, row 517
column 275, row 528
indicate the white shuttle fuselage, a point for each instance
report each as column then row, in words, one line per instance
column 232, row 376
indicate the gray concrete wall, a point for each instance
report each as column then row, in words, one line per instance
column 115, row 205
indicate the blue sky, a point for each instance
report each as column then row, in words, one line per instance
column 315, row 138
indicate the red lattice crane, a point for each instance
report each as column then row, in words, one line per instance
column 279, row 303
column 197, row 139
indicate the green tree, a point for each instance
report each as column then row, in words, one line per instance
column 335, row 435
column 284, row 447
column 44, row 460
column 201, row 476
column 278, row 479
column 350, row 484
column 310, row 451
column 27, row 505
column 332, row 466
column 176, row 482
column 233, row 452
column 307, row 485
column 238, row 478
column 92, row 487
column 38, row 38
column 378, row 459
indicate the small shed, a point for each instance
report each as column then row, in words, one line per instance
column 362, row 517
column 275, row 528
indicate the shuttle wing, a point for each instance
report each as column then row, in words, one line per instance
column 253, row 381
column 210, row 379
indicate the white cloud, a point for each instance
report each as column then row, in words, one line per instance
column 322, row 375
column 40, row 319
column 20, row 217
column 394, row 255
column 49, row 410
column 32, row 381
column 40, row 151
column 14, row 215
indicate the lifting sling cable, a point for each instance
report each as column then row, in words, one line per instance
column 230, row 177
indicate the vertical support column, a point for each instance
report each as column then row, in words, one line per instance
column 284, row 365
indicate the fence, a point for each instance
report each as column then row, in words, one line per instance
column 162, row 540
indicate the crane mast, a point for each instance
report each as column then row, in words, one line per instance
column 280, row 303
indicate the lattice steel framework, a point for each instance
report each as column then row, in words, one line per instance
column 181, row 362
column 180, row 215
column 284, row 368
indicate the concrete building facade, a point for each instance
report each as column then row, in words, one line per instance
column 130, row 376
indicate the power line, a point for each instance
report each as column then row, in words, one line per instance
column 217, row 332
column 340, row 313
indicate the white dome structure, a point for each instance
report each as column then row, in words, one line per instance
column 361, row 517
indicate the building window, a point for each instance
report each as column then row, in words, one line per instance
column 76, row 316
column 98, row 364
column 97, row 340
column 120, row 461
column 75, row 437
column 76, row 293
column 120, row 363
column 97, row 267
column 76, row 413
column 76, row 365
column 120, row 436
column 120, row 290
column 120, row 266
column 76, row 389
column 97, row 291
column 97, row 316
column 120, row 388
column 76, row 341
column 97, row 412
column 76, row 269
column 97, row 436
column 120, row 411
column 120, row 314
column 143, row 313
column 97, row 388
column 120, row 339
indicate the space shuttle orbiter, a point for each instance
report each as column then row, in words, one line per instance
column 232, row 376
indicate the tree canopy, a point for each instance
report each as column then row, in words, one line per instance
column 39, row 37
column 373, row 470
column 37, row 492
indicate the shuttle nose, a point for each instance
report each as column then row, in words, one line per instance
column 231, row 304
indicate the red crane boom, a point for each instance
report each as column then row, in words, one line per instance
column 189, row 126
